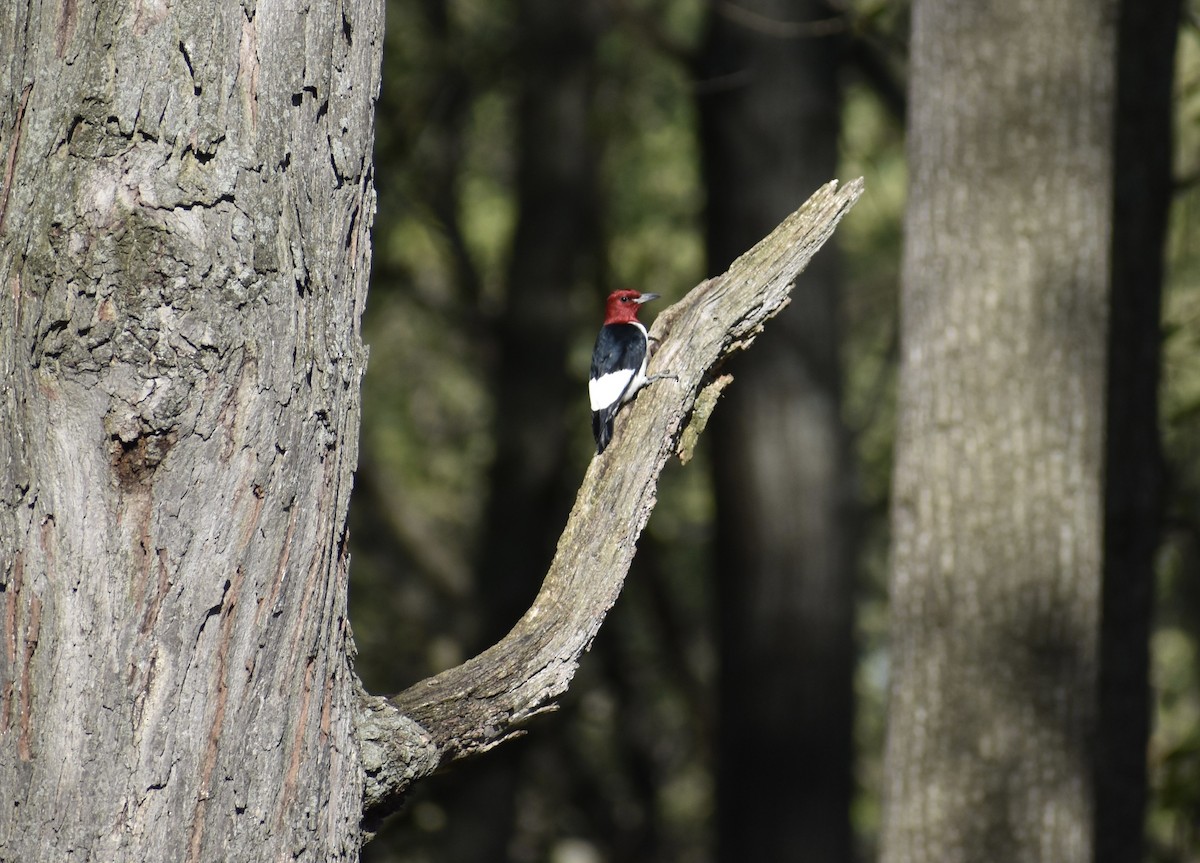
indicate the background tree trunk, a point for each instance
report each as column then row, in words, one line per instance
column 770, row 113
column 554, row 253
column 1133, row 455
column 997, row 507
column 530, row 488
column 183, row 249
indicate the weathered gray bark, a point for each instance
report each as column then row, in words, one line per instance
column 487, row 700
column 183, row 252
column 997, row 506
column 770, row 109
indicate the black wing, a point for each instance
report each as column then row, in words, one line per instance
column 619, row 346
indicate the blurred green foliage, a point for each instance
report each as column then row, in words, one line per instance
column 638, row 720
column 1174, row 752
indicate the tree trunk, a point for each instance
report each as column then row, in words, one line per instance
column 997, row 496
column 770, row 111
column 184, row 245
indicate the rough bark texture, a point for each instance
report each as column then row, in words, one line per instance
column 997, row 506
column 770, row 110
column 183, row 254
column 474, row 707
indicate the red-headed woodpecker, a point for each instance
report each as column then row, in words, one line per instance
column 618, row 362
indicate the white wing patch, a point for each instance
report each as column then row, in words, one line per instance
column 605, row 390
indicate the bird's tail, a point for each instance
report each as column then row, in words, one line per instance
column 602, row 429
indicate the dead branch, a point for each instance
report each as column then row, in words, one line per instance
column 488, row 699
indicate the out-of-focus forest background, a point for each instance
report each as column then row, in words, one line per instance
column 533, row 155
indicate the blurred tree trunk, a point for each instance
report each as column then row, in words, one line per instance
column 770, row 110
column 184, row 240
column 1133, row 470
column 553, row 254
column 998, row 511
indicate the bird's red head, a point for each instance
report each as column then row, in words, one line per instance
column 622, row 306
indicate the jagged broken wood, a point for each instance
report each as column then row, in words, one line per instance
column 488, row 699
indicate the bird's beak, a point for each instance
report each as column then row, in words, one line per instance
column 645, row 298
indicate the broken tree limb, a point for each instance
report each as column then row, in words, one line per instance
column 489, row 698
